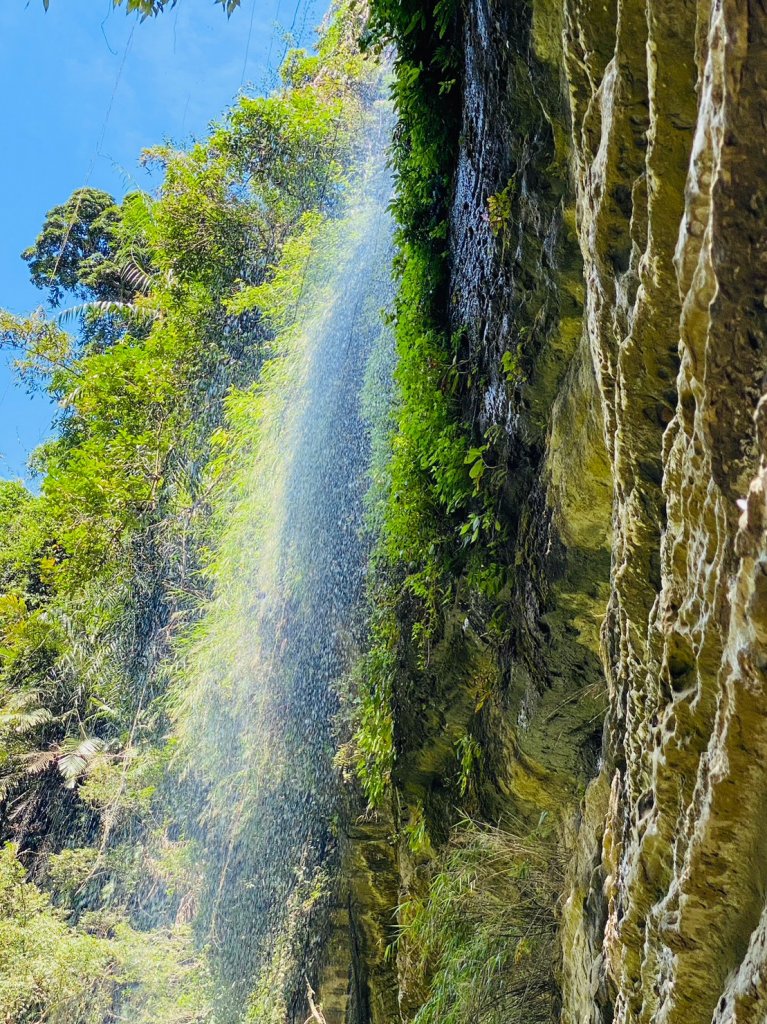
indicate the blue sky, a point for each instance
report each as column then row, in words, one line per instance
column 85, row 89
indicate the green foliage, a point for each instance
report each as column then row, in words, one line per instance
column 90, row 247
column 23, row 562
column 148, row 8
column 499, row 208
column 416, row 832
column 468, row 752
column 47, row 972
column 104, row 572
column 151, row 8
column 484, row 935
column 200, row 229
column 29, row 641
column 374, row 677
column 52, row 972
column 427, row 40
column 511, row 365
column 47, row 349
column 428, row 484
column 74, row 243
column 298, row 162
column 437, row 518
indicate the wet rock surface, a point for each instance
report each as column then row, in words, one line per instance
column 624, row 266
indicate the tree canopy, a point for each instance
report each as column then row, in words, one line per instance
column 105, row 571
column 90, row 247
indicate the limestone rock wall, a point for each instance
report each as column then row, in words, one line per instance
column 669, row 102
column 629, row 698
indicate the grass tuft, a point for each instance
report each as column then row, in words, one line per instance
column 485, row 932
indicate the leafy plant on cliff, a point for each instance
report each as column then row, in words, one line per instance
column 53, row 971
column 438, row 514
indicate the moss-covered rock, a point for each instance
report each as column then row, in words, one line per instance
column 606, row 261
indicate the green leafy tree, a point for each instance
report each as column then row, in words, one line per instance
column 94, row 249
column 76, row 241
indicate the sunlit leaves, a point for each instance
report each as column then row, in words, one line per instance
column 45, row 348
column 150, row 8
column 53, row 971
column 75, row 756
column 21, row 712
column 75, row 239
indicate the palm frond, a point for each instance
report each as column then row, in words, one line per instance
column 37, row 761
column 76, row 755
column 105, row 308
column 136, row 278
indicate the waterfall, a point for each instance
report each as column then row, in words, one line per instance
column 257, row 722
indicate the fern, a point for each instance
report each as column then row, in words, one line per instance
column 22, row 713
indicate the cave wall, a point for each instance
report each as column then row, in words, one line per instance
column 628, row 695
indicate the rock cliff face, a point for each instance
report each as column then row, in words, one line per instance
column 609, row 230
column 668, row 143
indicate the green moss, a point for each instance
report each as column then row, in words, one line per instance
column 439, row 516
column 547, row 27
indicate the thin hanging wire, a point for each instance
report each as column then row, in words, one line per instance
column 247, row 45
column 96, row 153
